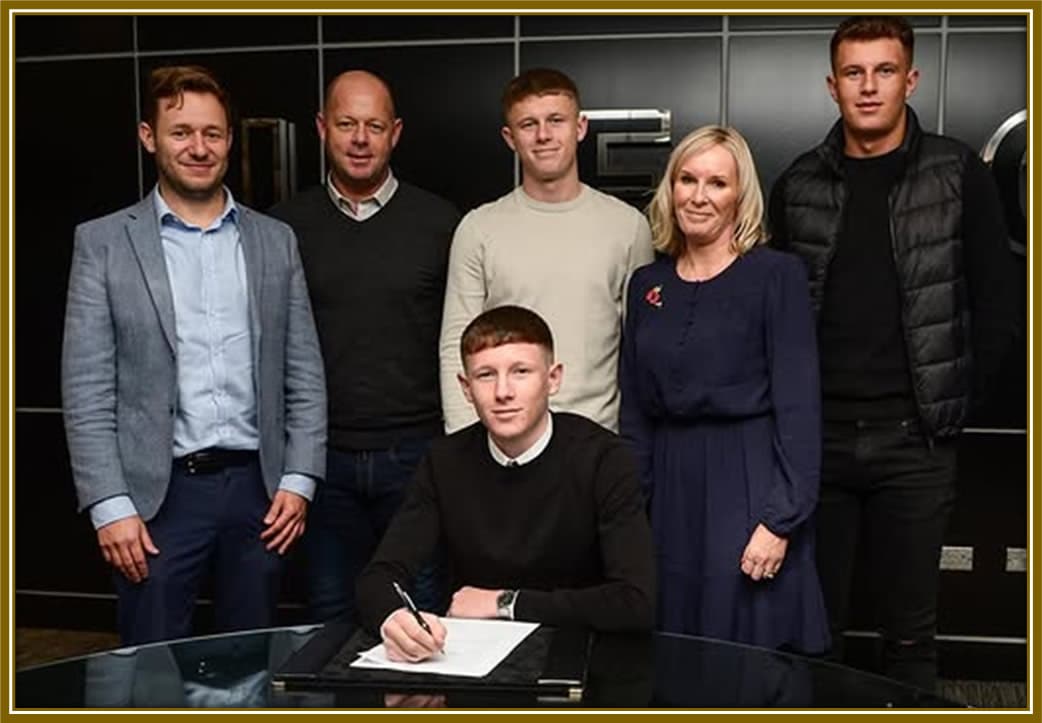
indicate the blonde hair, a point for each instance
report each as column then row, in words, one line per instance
column 748, row 230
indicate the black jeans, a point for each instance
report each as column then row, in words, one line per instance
column 884, row 487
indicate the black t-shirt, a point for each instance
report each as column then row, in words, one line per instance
column 864, row 362
column 861, row 303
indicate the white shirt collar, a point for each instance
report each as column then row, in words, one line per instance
column 529, row 454
column 368, row 207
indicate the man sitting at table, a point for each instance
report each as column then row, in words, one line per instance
column 540, row 514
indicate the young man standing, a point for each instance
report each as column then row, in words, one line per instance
column 554, row 245
column 540, row 514
column 192, row 383
column 375, row 251
column 910, row 275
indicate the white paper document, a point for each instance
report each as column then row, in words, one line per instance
column 472, row 648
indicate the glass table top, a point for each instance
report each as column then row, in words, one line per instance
column 625, row 671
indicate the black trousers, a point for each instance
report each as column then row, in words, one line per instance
column 885, row 488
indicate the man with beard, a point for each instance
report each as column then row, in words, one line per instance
column 192, row 383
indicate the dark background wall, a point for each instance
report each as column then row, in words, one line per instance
column 77, row 87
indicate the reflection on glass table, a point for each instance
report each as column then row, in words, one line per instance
column 625, row 671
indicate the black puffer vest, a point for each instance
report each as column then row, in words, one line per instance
column 926, row 239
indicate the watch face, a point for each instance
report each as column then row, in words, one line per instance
column 504, row 599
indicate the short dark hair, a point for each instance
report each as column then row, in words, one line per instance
column 873, row 27
column 538, row 81
column 174, row 81
column 505, row 325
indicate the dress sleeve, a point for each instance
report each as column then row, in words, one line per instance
column 405, row 547
column 634, row 426
column 625, row 600
column 792, row 355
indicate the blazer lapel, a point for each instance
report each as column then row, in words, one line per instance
column 253, row 253
column 143, row 231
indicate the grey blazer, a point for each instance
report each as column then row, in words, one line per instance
column 119, row 358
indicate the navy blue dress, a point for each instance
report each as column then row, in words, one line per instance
column 721, row 401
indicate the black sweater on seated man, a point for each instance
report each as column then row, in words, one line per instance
column 567, row 530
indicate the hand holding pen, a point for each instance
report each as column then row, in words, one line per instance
column 409, row 635
column 411, row 607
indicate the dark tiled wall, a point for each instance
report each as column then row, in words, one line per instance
column 77, row 81
column 448, row 97
column 282, row 84
column 75, row 158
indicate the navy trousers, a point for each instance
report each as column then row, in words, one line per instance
column 207, row 521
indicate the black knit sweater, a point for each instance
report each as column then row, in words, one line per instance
column 377, row 289
column 568, row 529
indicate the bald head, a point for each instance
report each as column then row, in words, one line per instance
column 359, row 130
column 359, row 81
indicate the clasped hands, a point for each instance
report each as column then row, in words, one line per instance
column 406, row 641
column 764, row 554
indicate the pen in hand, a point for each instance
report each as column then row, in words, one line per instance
column 411, row 607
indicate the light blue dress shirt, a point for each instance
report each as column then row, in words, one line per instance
column 217, row 404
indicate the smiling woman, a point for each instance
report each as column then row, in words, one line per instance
column 705, row 196
column 720, row 402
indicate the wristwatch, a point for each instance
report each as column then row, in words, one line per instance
column 505, row 604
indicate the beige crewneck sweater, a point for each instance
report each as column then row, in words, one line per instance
column 569, row 262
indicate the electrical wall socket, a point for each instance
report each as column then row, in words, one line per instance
column 954, row 558
column 1016, row 559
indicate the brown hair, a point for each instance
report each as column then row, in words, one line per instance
column 873, row 27
column 538, row 81
column 505, row 325
column 176, row 80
